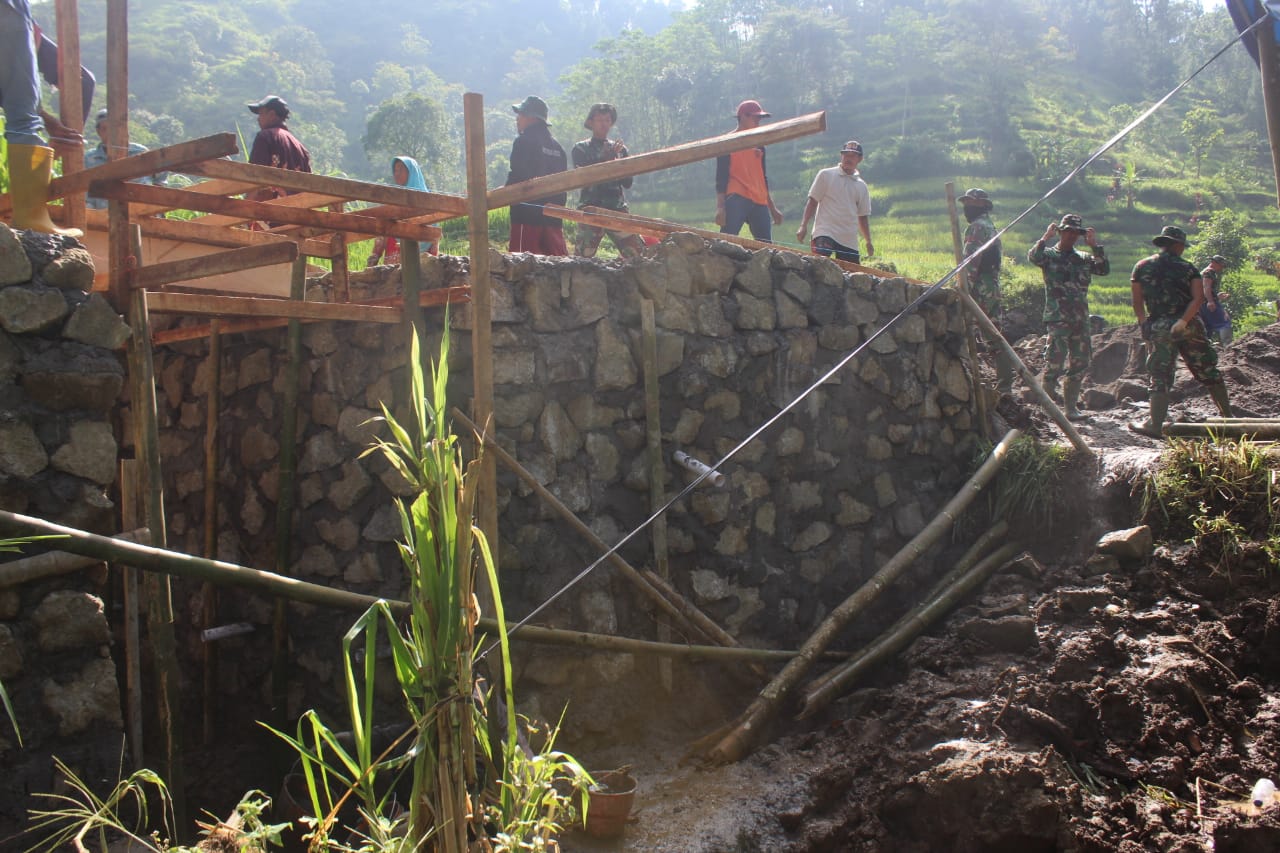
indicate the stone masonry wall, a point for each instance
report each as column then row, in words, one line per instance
column 61, row 374
column 810, row 509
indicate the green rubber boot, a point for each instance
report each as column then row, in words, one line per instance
column 1218, row 392
column 1071, row 398
column 1051, row 388
column 1159, row 408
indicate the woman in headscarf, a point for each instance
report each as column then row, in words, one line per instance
column 406, row 172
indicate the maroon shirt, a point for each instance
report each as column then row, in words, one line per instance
column 276, row 146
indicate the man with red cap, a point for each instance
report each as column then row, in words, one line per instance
column 742, row 184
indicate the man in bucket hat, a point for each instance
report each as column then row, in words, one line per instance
column 742, row 184
column 1214, row 314
column 842, row 204
column 1067, row 275
column 984, row 273
column 610, row 195
column 535, row 153
column 1167, row 292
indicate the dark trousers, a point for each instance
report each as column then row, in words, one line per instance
column 739, row 210
column 827, row 247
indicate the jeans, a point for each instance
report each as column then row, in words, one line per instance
column 19, row 86
column 738, row 210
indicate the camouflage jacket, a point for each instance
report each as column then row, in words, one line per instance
column 1066, row 280
column 979, row 232
column 1165, row 280
column 588, row 152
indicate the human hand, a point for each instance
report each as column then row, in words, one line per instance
column 1089, row 237
column 871, row 250
column 720, row 216
column 800, row 232
column 1050, row 232
column 1178, row 330
column 62, row 139
column 777, row 216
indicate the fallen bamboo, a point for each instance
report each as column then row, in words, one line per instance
column 668, row 599
column 941, row 599
column 53, row 563
column 962, row 282
column 1046, row 402
column 1220, row 420
column 427, row 299
column 1267, row 432
column 738, row 739
column 160, row 560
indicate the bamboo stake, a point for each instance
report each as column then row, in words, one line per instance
column 160, row 560
column 481, row 325
column 741, row 737
column 1266, row 432
column 962, row 282
column 285, row 496
column 1046, row 402
column 155, row 588
column 53, row 563
column 954, row 585
column 657, row 470
column 670, row 601
column 209, row 593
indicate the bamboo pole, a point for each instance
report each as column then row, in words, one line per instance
column 160, row 560
column 737, row 740
column 155, row 588
column 285, row 497
column 53, row 563
column 1046, row 403
column 481, row 327
column 130, row 501
column 1266, row 432
column 822, row 690
column 71, row 104
column 1222, row 420
column 209, row 593
column 668, row 600
column 657, row 470
column 962, row 282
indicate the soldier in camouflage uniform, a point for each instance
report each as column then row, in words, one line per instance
column 1067, row 275
column 599, row 149
column 1167, row 293
column 984, row 274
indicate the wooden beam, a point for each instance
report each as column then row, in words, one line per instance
column 190, row 231
column 248, row 306
column 167, row 159
column 205, row 187
column 257, row 210
column 233, row 260
column 329, row 185
column 427, row 299
column 70, row 97
column 297, row 200
column 656, row 161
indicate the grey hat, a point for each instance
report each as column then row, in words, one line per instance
column 1218, row 259
column 975, row 197
column 1170, row 234
column 531, row 106
column 275, row 103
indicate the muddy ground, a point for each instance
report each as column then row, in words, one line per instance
column 1069, row 705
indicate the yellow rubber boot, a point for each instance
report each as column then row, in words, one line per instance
column 30, row 170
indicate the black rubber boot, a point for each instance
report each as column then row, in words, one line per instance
column 1218, row 392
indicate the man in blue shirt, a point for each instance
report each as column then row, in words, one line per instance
column 97, row 156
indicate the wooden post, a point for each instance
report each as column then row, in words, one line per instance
column 657, row 470
column 130, row 499
column 119, row 248
column 285, row 495
column 71, row 104
column 341, row 272
column 156, row 588
column 962, row 281
column 1269, row 62
column 209, row 593
column 481, row 325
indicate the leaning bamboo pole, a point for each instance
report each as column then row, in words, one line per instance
column 962, row 282
column 657, row 471
column 209, row 593
column 53, row 563
column 738, row 739
column 953, row 586
column 163, row 561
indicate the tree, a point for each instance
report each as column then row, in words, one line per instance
column 412, row 125
column 1202, row 126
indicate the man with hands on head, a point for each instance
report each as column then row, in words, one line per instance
column 1067, row 275
column 1167, row 292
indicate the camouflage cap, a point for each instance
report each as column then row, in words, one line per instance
column 975, row 197
column 1170, row 234
column 1218, row 259
column 1072, row 222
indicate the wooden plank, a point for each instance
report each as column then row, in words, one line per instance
column 428, row 299
column 257, row 210
column 209, row 592
column 298, row 200
column 70, row 98
column 233, row 260
column 246, row 306
column 217, row 187
column 130, row 503
column 190, row 231
column 481, row 326
column 167, row 159
column 119, row 246
column 329, row 185
column 656, row 161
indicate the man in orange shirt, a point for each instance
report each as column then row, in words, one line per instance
column 742, row 184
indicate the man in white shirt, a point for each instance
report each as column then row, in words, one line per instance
column 842, row 203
